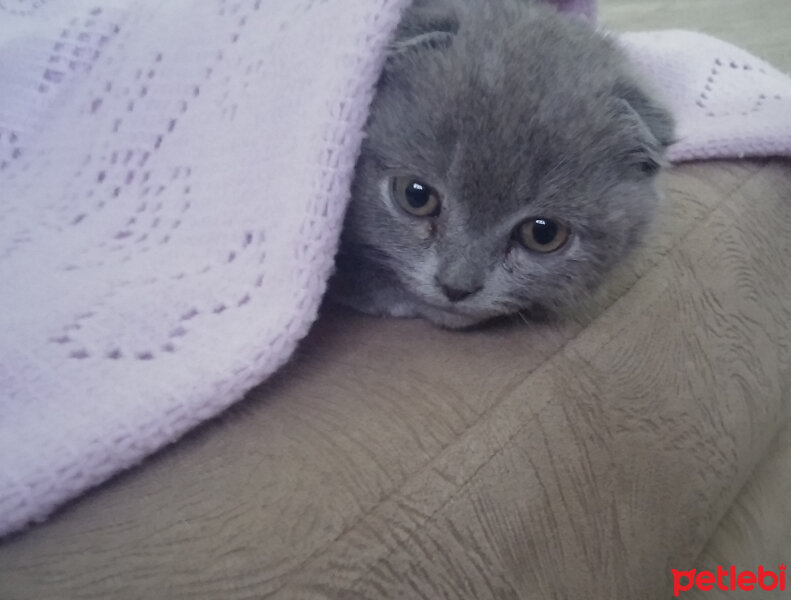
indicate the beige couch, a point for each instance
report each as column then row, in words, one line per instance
column 581, row 459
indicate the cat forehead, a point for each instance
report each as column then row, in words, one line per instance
column 502, row 106
column 496, row 87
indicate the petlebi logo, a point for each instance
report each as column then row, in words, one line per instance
column 729, row 580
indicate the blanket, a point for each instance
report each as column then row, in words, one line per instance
column 173, row 178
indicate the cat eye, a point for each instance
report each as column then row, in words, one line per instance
column 542, row 235
column 415, row 197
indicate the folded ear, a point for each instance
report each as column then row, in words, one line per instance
column 653, row 124
column 425, row 24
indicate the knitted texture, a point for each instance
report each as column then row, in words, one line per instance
column 172, row 184
column 728, row 103
column 173, row 177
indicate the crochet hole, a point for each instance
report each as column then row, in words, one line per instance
column 220, row 308
column 178, row 332
column 145, row 356
column 53, row 76
column 245, row 299
column 231, row 257
column 78, row 219
column 114, row 354
column 168, row 348
column 79, row 354
column 62, row 339
column 95, row 105
column 190, row 314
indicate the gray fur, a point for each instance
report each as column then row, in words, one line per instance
column 510, row 111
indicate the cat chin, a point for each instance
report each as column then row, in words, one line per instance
column 452, row 320
column 448, row 320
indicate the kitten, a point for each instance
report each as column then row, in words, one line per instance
column 509, row 162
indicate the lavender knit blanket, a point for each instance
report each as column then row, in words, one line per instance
column 173, row 177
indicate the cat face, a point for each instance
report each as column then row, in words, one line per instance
column 509, row 160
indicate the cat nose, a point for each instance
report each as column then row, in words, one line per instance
column 456, row 295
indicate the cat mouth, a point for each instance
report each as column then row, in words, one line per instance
column 452, row 316
column 467, row 309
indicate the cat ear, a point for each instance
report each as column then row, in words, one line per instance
column 653, row 124
column 425, row 24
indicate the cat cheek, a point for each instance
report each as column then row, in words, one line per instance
column 510, row 260
column 426, row 230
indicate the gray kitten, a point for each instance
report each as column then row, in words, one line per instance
column 509, row 162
